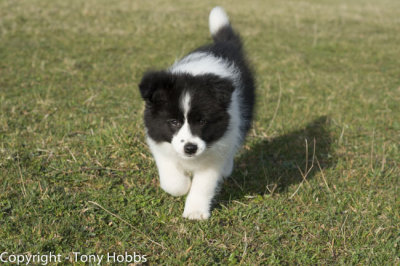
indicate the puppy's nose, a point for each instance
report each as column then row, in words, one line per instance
column 190, row 148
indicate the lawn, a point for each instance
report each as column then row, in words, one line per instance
column 317, row 182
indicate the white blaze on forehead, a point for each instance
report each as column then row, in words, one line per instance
column 185, row 104
column 184, row 132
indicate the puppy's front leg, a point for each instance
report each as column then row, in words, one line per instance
column 172, row 179
column 204, row 186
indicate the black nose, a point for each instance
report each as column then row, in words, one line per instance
column 190, row 148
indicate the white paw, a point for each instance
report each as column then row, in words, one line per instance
column 196, row 215
column 176, row 189
column 196, row 209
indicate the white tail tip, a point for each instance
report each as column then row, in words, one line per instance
column 218, row 19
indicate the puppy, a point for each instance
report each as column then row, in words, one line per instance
column 197, row 114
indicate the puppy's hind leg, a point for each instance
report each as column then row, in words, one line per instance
column 228, row 168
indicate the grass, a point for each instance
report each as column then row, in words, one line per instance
column 316, row 183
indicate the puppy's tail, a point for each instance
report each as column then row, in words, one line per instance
column 220, row 27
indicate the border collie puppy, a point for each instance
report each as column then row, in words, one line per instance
column 197, row 115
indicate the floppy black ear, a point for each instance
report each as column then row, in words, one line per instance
column 153, row 83
column 222, row 88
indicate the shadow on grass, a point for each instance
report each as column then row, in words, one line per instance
column 272, row 165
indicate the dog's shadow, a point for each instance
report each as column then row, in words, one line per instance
column 272, row 165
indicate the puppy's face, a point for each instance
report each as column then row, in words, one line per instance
column 190, row 112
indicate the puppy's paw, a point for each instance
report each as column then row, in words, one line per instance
column 196, row 215
column 196, row 210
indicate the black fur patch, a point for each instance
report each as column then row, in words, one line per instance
column 227, row 45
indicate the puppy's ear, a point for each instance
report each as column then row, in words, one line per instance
column 153, row 85
column 222, row 89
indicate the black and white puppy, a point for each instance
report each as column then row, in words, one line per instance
column 197, row 115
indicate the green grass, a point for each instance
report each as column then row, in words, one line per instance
column 76, row 174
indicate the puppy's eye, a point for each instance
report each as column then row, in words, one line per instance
column 202, row 122
column 174, row 122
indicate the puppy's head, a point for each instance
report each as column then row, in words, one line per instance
column 190, row 112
